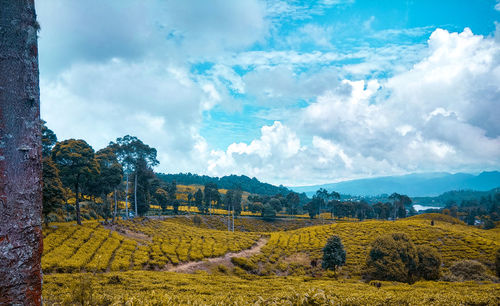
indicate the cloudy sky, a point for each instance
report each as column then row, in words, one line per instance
column 291, row 92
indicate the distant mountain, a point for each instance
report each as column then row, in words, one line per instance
column 421, row 185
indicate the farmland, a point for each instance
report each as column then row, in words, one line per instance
column 128, row 262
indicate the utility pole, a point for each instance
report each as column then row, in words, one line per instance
column 20, row 156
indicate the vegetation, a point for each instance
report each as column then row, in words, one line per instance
column 465, row 270
column 429, row 263
column 393, row 258
column 152, row 245
column 452, row 241
column 333, row 254
column 168, row 288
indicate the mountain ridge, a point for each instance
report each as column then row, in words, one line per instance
column 414, row 184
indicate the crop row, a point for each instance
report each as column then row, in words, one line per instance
column 454, row 242
column 91, row 247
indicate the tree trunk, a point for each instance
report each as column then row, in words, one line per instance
column 126, row 199
column 77, row 202
column 20, row 156
column 116, row 204
column 135, row 194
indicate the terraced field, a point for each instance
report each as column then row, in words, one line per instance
column 124, row 255
column 138, row 244
column 453, row 241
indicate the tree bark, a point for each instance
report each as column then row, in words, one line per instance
column 126, row 199
column 20, row 156
column 77, row 202
column 114, row 215
column 135, row 194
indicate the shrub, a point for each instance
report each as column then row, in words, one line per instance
column 268, row 212
column 465, row 270
column 222, row 269
column 333, row 254
column 429, row 262
column 197, row 220
column 393, row 258
column 243, row 263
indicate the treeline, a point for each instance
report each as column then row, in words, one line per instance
column 484, row 212
column 122, row 171
column 400, row 206
column 251, row 185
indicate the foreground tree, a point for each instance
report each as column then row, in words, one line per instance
column 20, row 156
column 292, row 201
column 49, row 140
column 198, row 201
column 393, row 258
column 109, row 178
column 53, row 190
column 131, row 151
column 333, row 254
column 76, row 163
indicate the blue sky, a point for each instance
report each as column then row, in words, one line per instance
column 291, row 92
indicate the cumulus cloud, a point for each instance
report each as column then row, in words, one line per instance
column 130, row 67
column 123, row 67
column 439, row 115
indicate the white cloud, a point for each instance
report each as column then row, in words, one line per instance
column 440, row 115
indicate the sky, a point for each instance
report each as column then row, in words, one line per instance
column 290, row 92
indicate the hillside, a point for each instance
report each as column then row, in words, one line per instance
column 251, row 185
column 149, row 244
column 130, row 263
column 413, row 185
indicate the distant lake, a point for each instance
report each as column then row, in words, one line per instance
column 421, row 207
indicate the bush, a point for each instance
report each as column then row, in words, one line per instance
column 465, row 270
column 393, row 258
column 429, row 262
column 243, row 263
column 333, row 254
column 197, row 220
column 268, row 212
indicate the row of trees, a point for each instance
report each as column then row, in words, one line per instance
column 484, row 211
column 72, row 167
column 329, row 202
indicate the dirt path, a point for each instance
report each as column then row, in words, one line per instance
column 206, row 264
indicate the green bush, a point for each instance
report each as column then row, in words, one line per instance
column 197, row 220
column 393, row 258
column 429, row 263
column 466, row 270
column 268, row 212
column 244, row 263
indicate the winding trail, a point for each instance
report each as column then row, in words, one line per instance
column 206, row 264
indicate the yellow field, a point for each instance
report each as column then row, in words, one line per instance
column 91, row 247
column 168, row 288
column 453, row 241
column 135, row 247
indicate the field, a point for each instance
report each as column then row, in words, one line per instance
column 138, row 244
column 453, row 241
column 168, row 288
column 129, row 262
